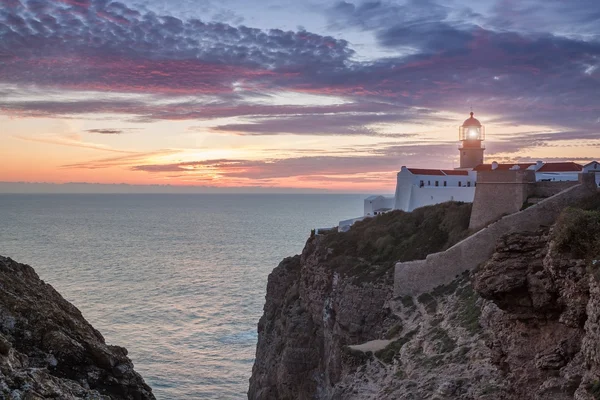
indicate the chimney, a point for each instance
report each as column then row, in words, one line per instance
column 539, row 164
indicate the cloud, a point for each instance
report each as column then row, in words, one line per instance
column 70, row 141
column 446, row 59
column 120, row 161
column 109, row 46
column 106, row 131
column 330, row 124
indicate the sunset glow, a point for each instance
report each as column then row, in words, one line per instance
column 335, row 98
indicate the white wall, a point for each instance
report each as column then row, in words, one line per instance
column 426, row 196
column 594, row 166
column 377, row 202
column 410, row 194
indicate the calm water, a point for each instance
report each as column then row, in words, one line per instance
column 177, row 279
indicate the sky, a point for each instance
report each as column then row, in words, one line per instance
column 303, row 94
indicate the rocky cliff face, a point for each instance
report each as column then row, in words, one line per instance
column 525, row 325
column 48, row 350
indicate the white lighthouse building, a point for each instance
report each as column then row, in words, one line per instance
column 418, row 187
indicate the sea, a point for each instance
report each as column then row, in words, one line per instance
column 177, row 279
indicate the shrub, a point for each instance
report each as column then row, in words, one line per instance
column 594, row 389
column 578, row 231
column 429, row 302
column 370, row 249
column 389, row 352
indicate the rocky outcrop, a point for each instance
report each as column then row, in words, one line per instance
column 311, row 315
column 48, row 350
column 543, row 333
column 525, row 325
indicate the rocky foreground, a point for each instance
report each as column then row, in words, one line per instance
column 524, row 325
column 48, row 350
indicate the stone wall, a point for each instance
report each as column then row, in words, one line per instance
column 415, row 277
column 503, row 192
column 499, row 193
column 548, row 189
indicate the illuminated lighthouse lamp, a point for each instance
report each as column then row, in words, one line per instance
column 471, row 135
column 472, row 130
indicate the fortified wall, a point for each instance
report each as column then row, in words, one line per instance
column 416, row 277
column 504, row 192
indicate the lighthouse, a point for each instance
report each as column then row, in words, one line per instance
column 471, row 135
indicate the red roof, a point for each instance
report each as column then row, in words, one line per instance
column 420, row 171
column 455, row 172
column 437, row 172
column 561, row 167
column 488, row 167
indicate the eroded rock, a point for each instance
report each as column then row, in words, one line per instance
column 48, row 350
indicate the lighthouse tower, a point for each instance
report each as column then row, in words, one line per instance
column 471, row 135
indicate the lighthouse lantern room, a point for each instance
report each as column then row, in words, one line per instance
column 471, row 135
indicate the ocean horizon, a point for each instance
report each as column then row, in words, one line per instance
column 177, row 279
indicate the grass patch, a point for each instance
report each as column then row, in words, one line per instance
column 469, row 312
column 370, row 249
column 389, row 352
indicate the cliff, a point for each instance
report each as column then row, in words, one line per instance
column 523, row 325
column 48, row 350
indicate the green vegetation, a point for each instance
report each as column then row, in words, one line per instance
column 408, row 302
column 469, row 312
column 400, row 374
column 460, row 356
column 370, row 249
column 445, row 343
column 526, row 205
column 433, row 361
column 578, row 231
column 594, row 389
column 389, row 352
column 359, row 357
column 429, row 302
column 394, row 331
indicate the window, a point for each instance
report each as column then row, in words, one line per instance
column 428, row 183
column 437, row 183
column 445, row 183
column 459, row 184
column 422, row 183
column 469, row 184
